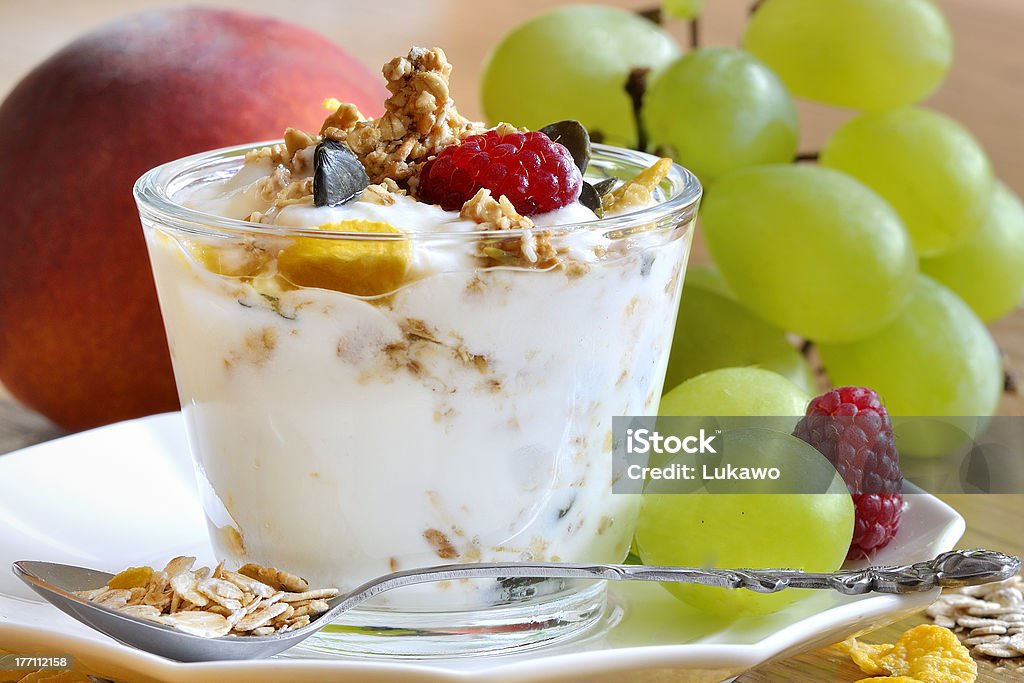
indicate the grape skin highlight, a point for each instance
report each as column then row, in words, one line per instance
column 862, row 54
column 936, row 358
column 988, row 271
column 721, row 109
column 809, row 249
column 932, row 171
column 736, row 392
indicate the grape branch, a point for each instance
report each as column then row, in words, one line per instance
column 653, row 15
column 636, row 86
column 656, row 16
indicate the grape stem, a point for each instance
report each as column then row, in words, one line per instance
column 819, row 370
column 636, row 86
column 656, row 16
column 1009, row 382
column 694, row 33
column 807, row 156
column 756, row 6
column 653, row 15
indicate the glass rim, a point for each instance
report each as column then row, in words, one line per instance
column 156, row 204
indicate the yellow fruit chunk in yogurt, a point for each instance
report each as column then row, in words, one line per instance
column 232, row 258
column 364, row 267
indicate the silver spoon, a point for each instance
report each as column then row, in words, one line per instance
column 55, row 583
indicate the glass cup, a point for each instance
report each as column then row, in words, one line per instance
column 464, row 416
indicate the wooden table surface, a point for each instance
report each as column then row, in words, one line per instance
column 985, row 91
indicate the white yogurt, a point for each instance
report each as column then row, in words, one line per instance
column 465, row 417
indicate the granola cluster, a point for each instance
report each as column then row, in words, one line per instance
column 419, row 121
column 494, row 214
column 254, row 601
column 291, row 159
column 531, row 249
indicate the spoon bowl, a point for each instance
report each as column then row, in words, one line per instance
column 55, row 583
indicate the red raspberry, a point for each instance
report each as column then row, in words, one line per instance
column 851, row 428
column 536, row 174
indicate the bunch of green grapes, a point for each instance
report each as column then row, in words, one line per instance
column 829, row 252
column 889, row 254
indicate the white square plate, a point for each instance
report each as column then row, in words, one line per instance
column 125, row 495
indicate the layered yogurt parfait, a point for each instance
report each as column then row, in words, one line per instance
column 400, row 342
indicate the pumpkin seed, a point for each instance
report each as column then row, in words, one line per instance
column 574, row 136
column 591, row 198
column 338, row 175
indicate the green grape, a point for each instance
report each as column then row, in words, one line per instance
column 809, row 249
column 987, row 272
column 809, row 531
column 736, row 391
column 572, row 63
column 720, row 109
column 682, row 9
column 714, row 331
column 707, row 277
column 724, row 398
column 935, row 358
column 863, row 54
column 926, row 165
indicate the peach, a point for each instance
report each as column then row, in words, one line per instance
column 81, row 338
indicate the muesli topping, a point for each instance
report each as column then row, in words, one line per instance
column 255, row 600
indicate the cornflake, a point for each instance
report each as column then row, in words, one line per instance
column 212, row 603
column 924, row 654
column 637, row 191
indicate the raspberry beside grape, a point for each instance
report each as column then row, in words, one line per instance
column 536, row 174
column 852, row 429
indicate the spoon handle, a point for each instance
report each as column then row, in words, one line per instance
column 951, row 569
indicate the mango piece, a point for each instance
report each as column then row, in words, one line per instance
column 235, row 259
column 362, row 267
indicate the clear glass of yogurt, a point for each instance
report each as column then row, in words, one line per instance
column 364, row 399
